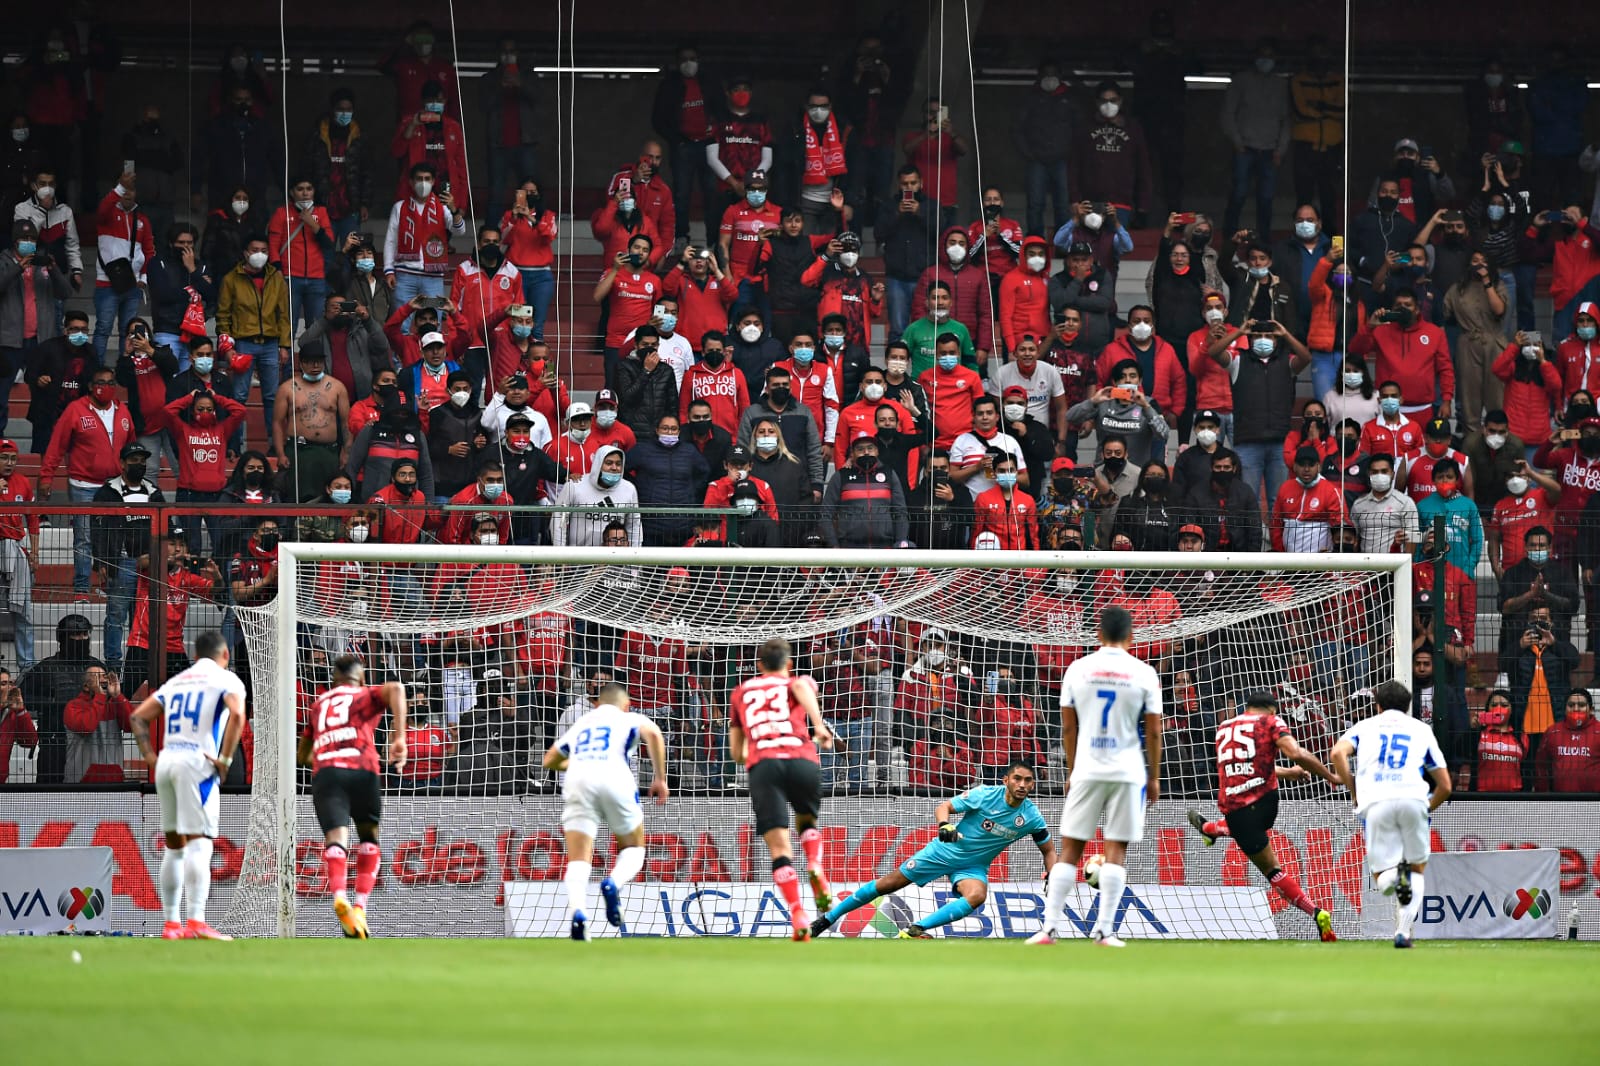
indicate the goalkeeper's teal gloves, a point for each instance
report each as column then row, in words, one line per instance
column 948, row 833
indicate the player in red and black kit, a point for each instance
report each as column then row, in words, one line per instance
column 339, row 747
column 1248, row 745
column 775, row 731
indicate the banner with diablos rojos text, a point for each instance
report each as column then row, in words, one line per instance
column 447, row 859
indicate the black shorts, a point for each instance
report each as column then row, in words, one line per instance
column 779, row 784
column 1249, row 825
column 341, row 796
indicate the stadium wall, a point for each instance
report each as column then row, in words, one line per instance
column 446, row 859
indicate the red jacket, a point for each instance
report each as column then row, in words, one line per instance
column 1417, row 358
column 720, row 494
column 120, row 235
column 816, row 386
column 614, row 236
column 1578, row 361
column 529, row 242
column 477, row 297
column 1569, row 757
column 1530, row 404
column 441, row 143
column 1025, row 302
column 83, row 714
column 1460, row 597
column 13, row 526
column 458, row 526
column 16, row 727
column 944, row 769
column 576, row 459
column 411, row 72
column 1380, row 438
column 702, row 309
column 402, row 520
column 1014, row 521
column 202, row 450
column 1213, row 388
column 302, row 251
column 653, row 197
column 971, row 298
column 1300, row 507
column 1170, row 389
column 408, row 347
column 1579, row 479
column 631, row 301
column 863, row 415
column 93, row 455
column 1575, row 260
column 724, row 389
column 998, row 256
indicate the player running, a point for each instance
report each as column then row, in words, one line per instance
column 1104, row 697
column 339, row 747
column 1396, row 756
column 1247, row 748
column 993, row 817
column 202, row 714
column 775, row 730
column 600, row 787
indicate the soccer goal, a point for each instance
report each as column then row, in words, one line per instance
column 935, row 670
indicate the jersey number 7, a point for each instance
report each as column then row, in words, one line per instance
column 1108, row 699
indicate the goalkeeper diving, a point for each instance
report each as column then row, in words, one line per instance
column 992, row 818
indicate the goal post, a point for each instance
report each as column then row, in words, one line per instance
column 935, row 667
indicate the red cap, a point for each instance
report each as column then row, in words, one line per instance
column 8, row 446
column 1191, row 528
column 1014, row 390
column 1062, row 464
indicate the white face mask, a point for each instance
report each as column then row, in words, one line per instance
column 1036, row 263
column 1353, row 379
column 873, row 391
column 1516, row 485
column 460, row 399
column 957, row 253
column 1305, row 230
column 241, row 206
column 579, row 434
column 488, row 540
column 1215, row 315
column 1141, row 331
column 422, row 188
column 738, row 473
column 938, row 314
column 896, row 366
column 605, row 418
column 849, row 259
column 45, row 192
column 934, row 658
column 750, row 334
column 1015, row 412
column 1205, row 437
column 819, row 115
column 358, row 534
column 1109, row 108
column 257, row 260
column 1094, row 220
column 689, row 68
column 1049, row 83
column 1531, row 352
column 304, row 205
column 1495, row 441
column 1380, row 482
column 766, row 444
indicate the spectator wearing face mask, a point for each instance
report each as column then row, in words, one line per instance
column 1177, row 290
column 627, row 291
column 1569, row 756
column 906, row 234
column 125, row 244
column 970, row 296
column 1255, row 120
column 1416, row 467
column 532, row 476
column 1337, row 314
column 1570, row 241
column 507, row 98
column 356, row 345
column 237, row 149
column 1539, row 579
column 1495, row 455
column 1314, row 430
column 201, row 423
column 799, row 428
column 431, row 136
column 1161, row 375
column 1213, row 389
column 864, row 505
column 1147, row 517
column 1385, row 517
column 1193, row 465
column 716, row 381
column 30, row 285
column 340, row 164
column 1005, row 511
column 1411, row 352
column 1224, row 507
column 416, row 250
column 1044, row 134
column 1025, row 294
column 1122, row 410
column 298, row 236
column 1578, row 357
column 668, row 474
column 403, row 514
column 608, row 425
column 720, row 493
column 1574, row 458
column 1102, row 229
column 1110, row 161
column 585, row 506
column 847, row 290
column 813, row 382
column 862, row 414
column 709, row 439
column 934, row 150
column 456, row 437
column 413, row 63
column 1529, row 503
column 704, row 294
column 89, row 436
column 936, row 321
column 1500, row 748
column 1543, row 665
column 684, row 117
column 1307, row 508
column 485, row 283
column 54, row 221
column 1088, row 288
column 1463, row 528
column 487, row 490
column 396, row 434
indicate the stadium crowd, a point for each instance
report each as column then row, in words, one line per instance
column 1373, row 383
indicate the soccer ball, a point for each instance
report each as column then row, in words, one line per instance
column 1091, row 869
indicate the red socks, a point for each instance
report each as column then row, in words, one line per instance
column 368, row 855
column 1290, row 889
column 811, row 844
column 1219, row 828
column 333, row 866
column 788, row 881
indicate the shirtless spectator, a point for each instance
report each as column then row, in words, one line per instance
column 308, row 420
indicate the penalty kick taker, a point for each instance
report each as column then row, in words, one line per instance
column 993, row 818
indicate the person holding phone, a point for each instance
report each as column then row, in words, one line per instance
column 1123, row 410
column 416, row 251
column 935, row 150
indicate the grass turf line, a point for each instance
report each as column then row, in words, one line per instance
column 716, row 1002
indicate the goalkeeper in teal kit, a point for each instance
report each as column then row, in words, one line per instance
column 993, row 816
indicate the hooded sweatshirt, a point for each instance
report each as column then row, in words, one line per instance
column 602, row 504
column 1025, row 297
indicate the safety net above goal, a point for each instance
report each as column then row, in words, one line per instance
column 934, row 670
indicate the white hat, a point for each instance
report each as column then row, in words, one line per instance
column 430, row 339
column 933, row 634
column 579, row 409
column 987, row 540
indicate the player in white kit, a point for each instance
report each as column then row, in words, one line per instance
column 600, row 786
column 1105, row 697
column 1396, row 759
column 201, row 712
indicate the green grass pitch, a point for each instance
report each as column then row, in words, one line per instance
column 749, row 1002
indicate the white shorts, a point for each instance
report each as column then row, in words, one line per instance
column 587, row 801
column 188, row 787
column 1396, row 829
column 1121, row 802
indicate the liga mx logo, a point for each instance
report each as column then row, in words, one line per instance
column 1530, row 902
column 85, row 903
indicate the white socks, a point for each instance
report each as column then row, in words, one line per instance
column 171, row 882
column 197, row 876
column 1113, row 879
column 1063, row 876
column 1406, row 917
column 577, row 881
column 629, row 862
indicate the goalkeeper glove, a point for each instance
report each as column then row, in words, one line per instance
column 948, row 833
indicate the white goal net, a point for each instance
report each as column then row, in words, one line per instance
column 935, row 669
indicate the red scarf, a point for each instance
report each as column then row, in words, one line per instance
column 823, row 159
